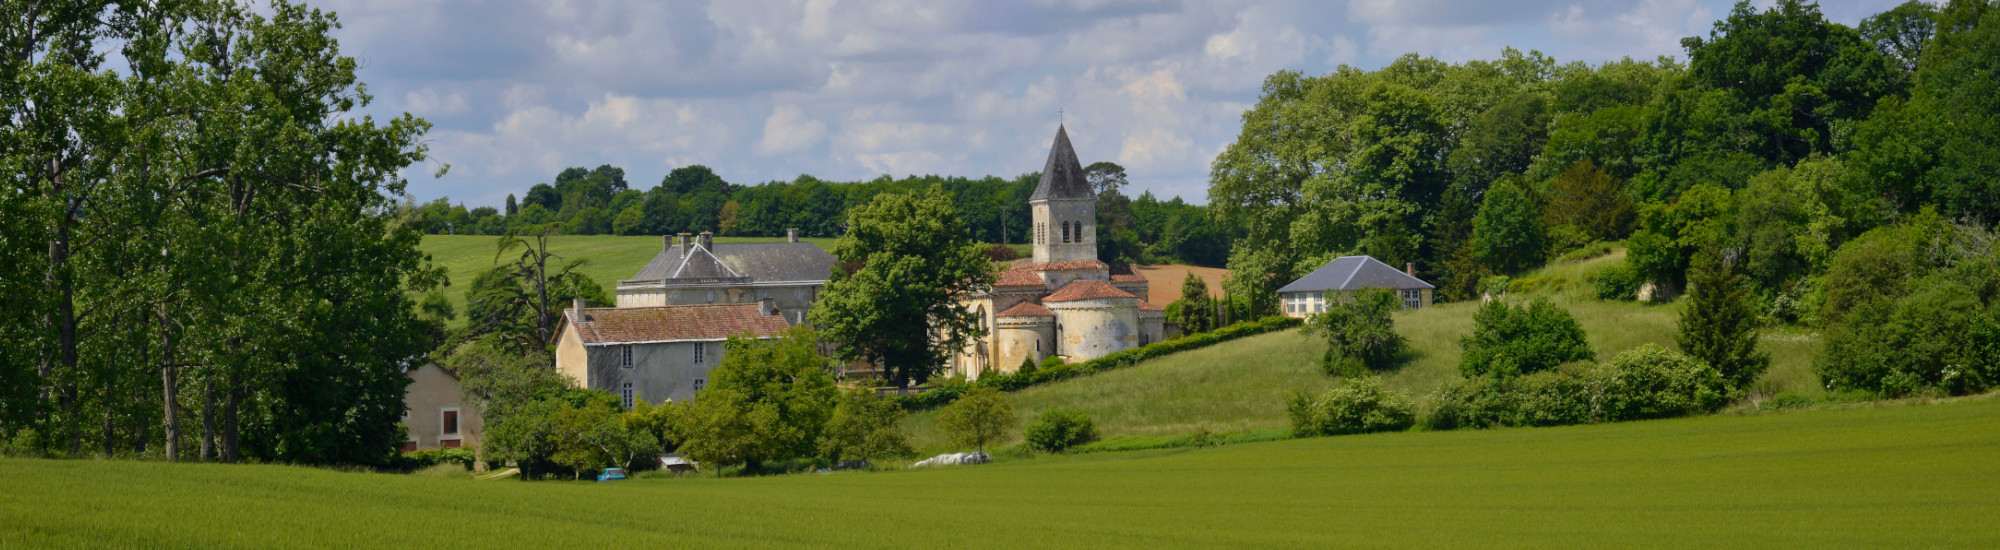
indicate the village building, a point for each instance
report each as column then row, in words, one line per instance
column 1346, row 274
column 655, row 353
column 435, row 413
column 1062, row 301
column 695, row 270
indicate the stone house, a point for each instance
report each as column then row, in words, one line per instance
column 655, row 353
column 435, row 413
column 692, row 270
column 1346, row 274
column 1063, row 300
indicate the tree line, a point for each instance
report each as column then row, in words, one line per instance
column 600, row 201
column 200, row 248
column 1784, row 142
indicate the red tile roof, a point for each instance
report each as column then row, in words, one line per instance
column 1016, row 277
column 1026, row 309
column 1086, row 289
column 627, row 325
column 1148, row 306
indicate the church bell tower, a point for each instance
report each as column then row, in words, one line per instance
column 1064, row 208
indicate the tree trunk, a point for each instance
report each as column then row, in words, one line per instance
column 65, row 323
column 208, row 419
column 169, row 391
column 230, row 421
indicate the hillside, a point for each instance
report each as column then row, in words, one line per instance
column 1241, row 386
column 1877, row 475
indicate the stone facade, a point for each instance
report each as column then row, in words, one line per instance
column 1062, row 301
column 655, row 354
column 695, row 270
column 436, row 413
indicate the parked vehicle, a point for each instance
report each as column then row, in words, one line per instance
column 611, row 474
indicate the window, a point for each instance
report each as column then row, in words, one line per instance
column 700, row 353
column 699, row 382
column 448, row 421
column 625, row 394
column 626, row 360
column 1413, row 298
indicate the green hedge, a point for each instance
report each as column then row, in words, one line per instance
column 417, row 460
column 945, row 393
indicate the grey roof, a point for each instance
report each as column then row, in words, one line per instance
column 1062, row 176
column 760, row 262
column 1352, row 273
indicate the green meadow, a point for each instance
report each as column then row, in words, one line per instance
column 1870, row 476
column 1237, row 390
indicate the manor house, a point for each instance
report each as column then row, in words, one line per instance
column 1063, row 301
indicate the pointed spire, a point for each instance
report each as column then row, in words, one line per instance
column 1062, row 176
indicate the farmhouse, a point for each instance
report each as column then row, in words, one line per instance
column 655, row 353
column 695, row 270
column 434, row 413
column 1062, row 301
column 1346, row 274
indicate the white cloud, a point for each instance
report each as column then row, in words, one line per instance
column 789, row 130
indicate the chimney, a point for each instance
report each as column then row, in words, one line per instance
column 576, row 305
column 708, row 241
column 666, row 242
column 791, row 234
column 681, row 241
column 1410, row 268
column 767, row 306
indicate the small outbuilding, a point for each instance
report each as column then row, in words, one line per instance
column 1346, row 274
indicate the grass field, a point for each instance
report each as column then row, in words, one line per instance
column 1241, row 386
column 1876, row 475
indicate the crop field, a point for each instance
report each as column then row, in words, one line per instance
column 1239, row 388
column 1873, row 475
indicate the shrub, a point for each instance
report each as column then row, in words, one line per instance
column 1027, row 368
column 1641, row 383
column 1352, row 406
column 1508, row 340
column 425, row 458
column 1938, row 338
column 1564, row 240
column 1651, row 382
column 863, row 428
column 1058, row 430
column 1360, row 335
column 1592, row 250
column 1617, row 282
column 979, row 417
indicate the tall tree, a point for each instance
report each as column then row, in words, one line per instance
column 1719, row 325
column 906, row 263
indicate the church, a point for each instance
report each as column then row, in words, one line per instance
column 1063, row 301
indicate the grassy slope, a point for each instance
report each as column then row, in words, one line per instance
column 1872, row 476
column 1242, row 385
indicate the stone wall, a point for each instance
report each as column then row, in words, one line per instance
column 1089, row 329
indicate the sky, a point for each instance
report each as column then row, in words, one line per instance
column 763, row 90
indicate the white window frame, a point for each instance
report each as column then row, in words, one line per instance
column 456, row 430
column 1413, row 298
column 626, row 393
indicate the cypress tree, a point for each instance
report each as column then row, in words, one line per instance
column 1719, row 325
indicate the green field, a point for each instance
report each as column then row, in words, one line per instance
column 1875, row 475
column 1239, row 388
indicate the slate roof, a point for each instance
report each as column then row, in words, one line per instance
column 1062, row 175
column 760, row 262
column 1353, row 273
column 628, row 325
column 1026, row 309
column 1086, row 289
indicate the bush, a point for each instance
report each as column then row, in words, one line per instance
column 1564, row 240
column 421, row 459
column 979, row 417
column 1508, row 340
column 1360, row 335
column 1641, row 383
column 1058, row 430
column 1651, row 382
column 1352, row 406
column 1592, row 250
column 1618, row 282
